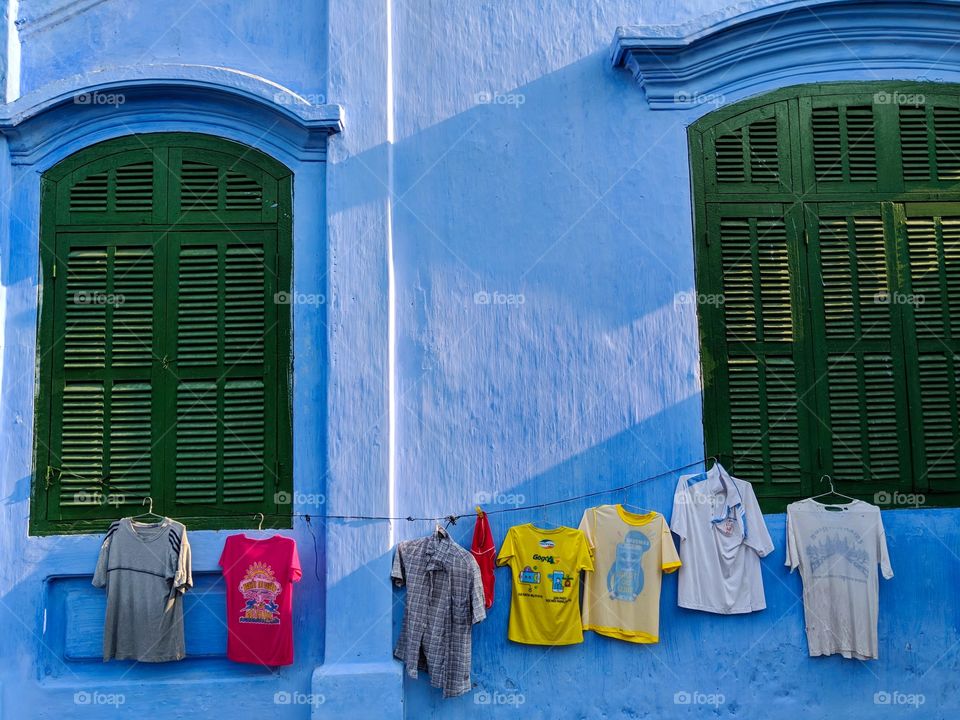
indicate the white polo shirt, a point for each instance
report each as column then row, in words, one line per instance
column 722, row 538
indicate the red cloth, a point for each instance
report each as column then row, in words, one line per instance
column 259, row 577
column 486, row 556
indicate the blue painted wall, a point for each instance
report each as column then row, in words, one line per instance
column 490, row 153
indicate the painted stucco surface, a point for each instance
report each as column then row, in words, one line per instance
column 502, row 238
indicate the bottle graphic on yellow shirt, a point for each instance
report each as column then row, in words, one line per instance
column 625, row 579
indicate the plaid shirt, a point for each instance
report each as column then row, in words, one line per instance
column 444, row 599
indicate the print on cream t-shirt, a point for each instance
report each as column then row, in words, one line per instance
column 621, row 597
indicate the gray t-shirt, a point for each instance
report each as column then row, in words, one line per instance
column 838, row 549
column 145, row 568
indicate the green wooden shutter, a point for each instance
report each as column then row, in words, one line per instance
column 860, row 390
column 929, row 133
column 839, row 153
column 164, row 351
column 755, row 370
column 749, row 153
column 868, row 191
column 225, row 453
column 931, row 236
column 103, row 374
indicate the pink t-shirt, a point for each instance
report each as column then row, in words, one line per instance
column 259, row 577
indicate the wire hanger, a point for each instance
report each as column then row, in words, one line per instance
column 149, row 511
column 637, row 509
column 545, row 523
column 831, row 491
column 262, row 518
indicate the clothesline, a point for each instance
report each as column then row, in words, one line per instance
column 453, row 518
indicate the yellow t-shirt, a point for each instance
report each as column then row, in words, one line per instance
column 545, row 565
column 621, row 598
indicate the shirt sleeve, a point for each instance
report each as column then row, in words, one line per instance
column 183, row 577
column 793, row 552
column 678, row 516
column 586, row 527
column 295, row 570
column 669, row 560
column 397, row 571
column 100, row 575
column 507, row 550
column 477, row 598
column 585, row 555
column 225, row 553
column 755, row 532
column 885, row 567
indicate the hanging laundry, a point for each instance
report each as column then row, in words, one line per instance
column 485, row 554
column 722, row 538
column 545, row 566
column 146, row 569
column 621, row 597
column 444, row 601
column 838, row 549
column 259, row 576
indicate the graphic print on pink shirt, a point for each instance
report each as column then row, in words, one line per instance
column 260, row 590
column 259, row 577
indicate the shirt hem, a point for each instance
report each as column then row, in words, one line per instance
column 169, row 658
column 847, row 654
column 634, row 636
column 723, row 611
column 546, row 642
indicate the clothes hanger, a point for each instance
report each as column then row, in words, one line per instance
column 721, row 471
column 262, row 518
column 831, row 491
column 149, row 511
column 545, row 523
column 636, row 509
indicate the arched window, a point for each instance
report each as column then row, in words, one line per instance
column 828, row 272
column 164, row 339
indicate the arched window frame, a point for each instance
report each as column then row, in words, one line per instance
column 238, row 220
column 784, row 393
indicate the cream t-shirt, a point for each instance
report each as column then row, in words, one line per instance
column 621, row 597
column 838, row 549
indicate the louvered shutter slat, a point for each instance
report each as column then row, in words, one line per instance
column 104, row 448
column 758, row 368
column 222, row 453
column 859, row 392
column 933, row 248
column 746, row 154
column 843, row 144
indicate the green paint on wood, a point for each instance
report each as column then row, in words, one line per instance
column 164, row 336
column 828, row 220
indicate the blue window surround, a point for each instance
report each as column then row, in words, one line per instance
column 788, row 43
column 36, row 132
